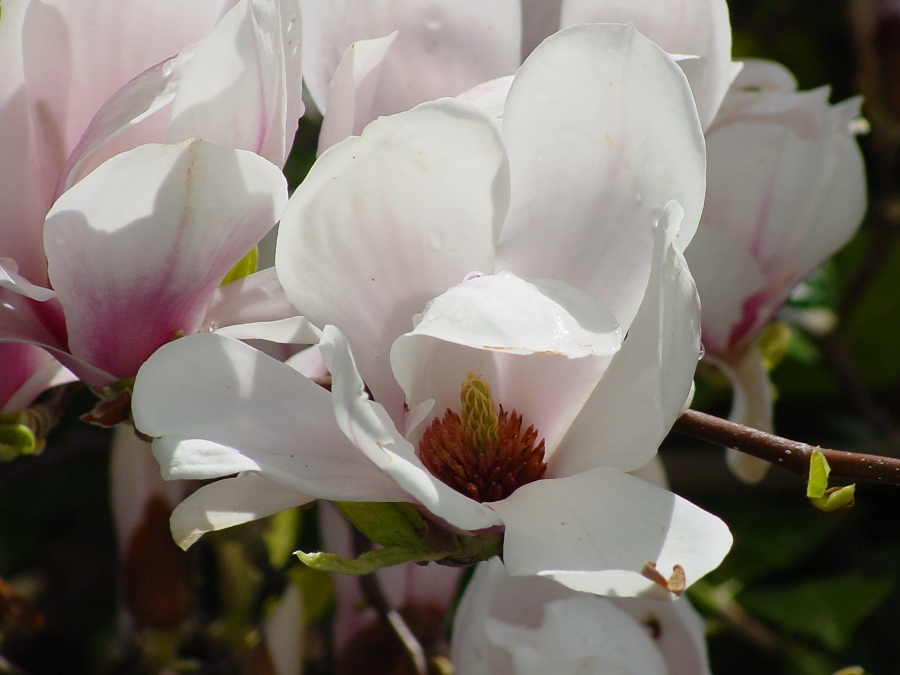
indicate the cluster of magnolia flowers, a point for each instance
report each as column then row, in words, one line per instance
column 486, row 293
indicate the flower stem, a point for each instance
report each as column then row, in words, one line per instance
column 791, row 455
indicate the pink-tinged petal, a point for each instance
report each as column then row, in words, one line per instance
column 22, row 203
column 387, row 221
column 644, row 389
column 10, row 279
column 727, row 275
column 228, row 502
column 134, row 481
column 370, row 429
column 137, row 249
column 352, row 90
column 295, row 330
column 579, row 634
column 490, row 96
column 26, row 321
column 595, row 531
column 619, row 138
column 256, row 297
column 488, row 324
column 27, row 371
column 139, row 98
column 751, row 404
column 235, row 91
column 217, row 407
column 69, row 71
column 443, row 47
column 697, row 27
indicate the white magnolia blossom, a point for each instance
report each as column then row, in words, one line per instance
column 141, row 145
column 785, row 190
column 529, row 626
column 365, row 58
column 433, row 245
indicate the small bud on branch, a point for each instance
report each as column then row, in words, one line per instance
column 791, row 455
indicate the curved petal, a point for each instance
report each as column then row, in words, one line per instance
column 752, row 403
column 69, row 72
column 352, row 90
column 217, row 407
column 388, row 220
column 595, row 532
column 254, row 298
column 229, row 502
column 580, row 634
column 696, row 27
column 237, row 89
column 443, row 47
column 619, row 138
column 136, row 267
column 644, row 389
column 23, row 202
column 366, row 424
column 727, row 275
column 27, row 371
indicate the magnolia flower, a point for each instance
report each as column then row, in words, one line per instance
column 524, row 257
column 27, row 371
column 786, row 189
column 364, row 59
column 106, row 252
column 524, row 626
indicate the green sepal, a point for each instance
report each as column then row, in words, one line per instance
column 386, row 523
column 244, row 268
column 836, row 499
column 818, row 475
column 368, row 562
column 15, row 440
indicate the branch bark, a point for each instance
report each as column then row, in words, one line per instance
column 791, row 455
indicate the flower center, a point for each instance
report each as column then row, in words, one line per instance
column 482, row 452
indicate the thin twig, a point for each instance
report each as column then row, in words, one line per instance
column 791, row 455
column 373, row 594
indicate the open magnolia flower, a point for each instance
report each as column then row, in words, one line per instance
column 432, row 246
column 525, row 626
column 365, row 58
column 110, row 242
column 786, row 189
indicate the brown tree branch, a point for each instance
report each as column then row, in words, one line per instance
column 791, row 455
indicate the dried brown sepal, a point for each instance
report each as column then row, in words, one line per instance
column 111, row 411
column 676, row 583
column 486, row 474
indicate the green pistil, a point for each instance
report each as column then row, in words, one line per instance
column 479, row 413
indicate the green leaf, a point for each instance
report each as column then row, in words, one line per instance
column 827, row 610
column 835, row 499
column 386, row 523
column 244, row 268
column 368, row 562
column 818, row 475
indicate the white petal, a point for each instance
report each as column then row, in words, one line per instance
column 295, row 330
column 602, row 132
column 217, row 406
column 229, row 502
column 285, row 633
column 698, row 27
column 490, row 96
column 596, row 530
column 352, row 90
column 372, row 431
column 386, row 221
column 135, row 267
column 751, row 404
column 643, row 391
column 443, row 47
column 255, row 298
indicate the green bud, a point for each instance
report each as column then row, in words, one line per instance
column 479, row 412
column 16, row 440
column 835, row 500
column 244, row 268
column 818, row 475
